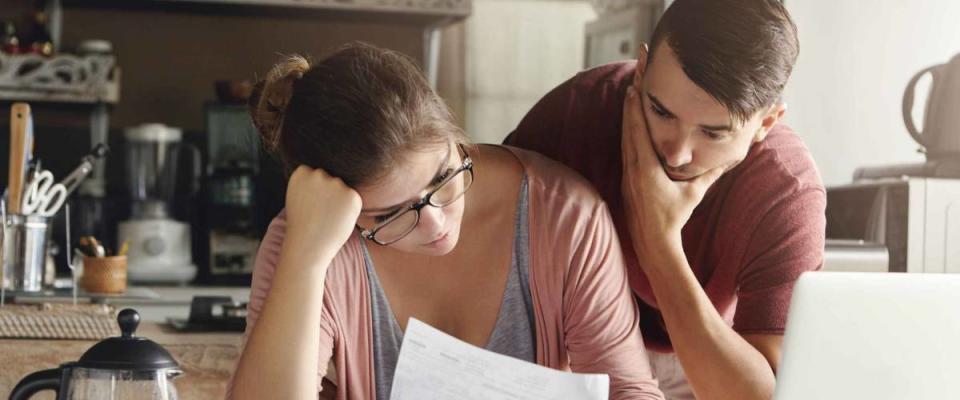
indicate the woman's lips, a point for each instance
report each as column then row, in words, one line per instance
column 438, row 240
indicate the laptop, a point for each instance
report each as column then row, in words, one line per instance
column 872, row 336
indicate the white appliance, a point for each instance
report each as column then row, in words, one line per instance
column 619, row 30
column 871, row 336
column 909, row 211
column 906, row 224
column 159, row 245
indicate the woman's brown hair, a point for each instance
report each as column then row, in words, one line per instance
column 355, row 114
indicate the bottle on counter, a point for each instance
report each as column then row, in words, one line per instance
column 41, row 43
column 9, row 42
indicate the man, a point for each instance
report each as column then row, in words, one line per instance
column 718, row 205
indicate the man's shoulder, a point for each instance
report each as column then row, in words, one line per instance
column 778, row 173
column 579, row 121
column 780, row 164
column 769, row 214
column 616, row 74
column 598, row 91
column 774, row 213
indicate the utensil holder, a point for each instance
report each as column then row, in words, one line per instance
column 25, row 239
column 104, row 274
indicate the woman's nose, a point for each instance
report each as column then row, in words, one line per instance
column 431, row 219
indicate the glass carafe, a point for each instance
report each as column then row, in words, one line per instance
column 125, row 367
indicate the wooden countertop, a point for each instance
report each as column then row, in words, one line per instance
column 206, row 358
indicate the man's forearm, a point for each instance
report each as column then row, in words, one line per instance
column 718, row 362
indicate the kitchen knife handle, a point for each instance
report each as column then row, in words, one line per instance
column 19, row 147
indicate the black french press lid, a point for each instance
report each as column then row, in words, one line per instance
column 127, row 352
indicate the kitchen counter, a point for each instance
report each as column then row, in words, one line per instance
column 174, row 301
column 154, row 303
column 206, row 358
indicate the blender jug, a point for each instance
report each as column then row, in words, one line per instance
column 153, row 155
column 159, row 245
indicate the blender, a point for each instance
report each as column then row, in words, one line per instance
column 159, row 245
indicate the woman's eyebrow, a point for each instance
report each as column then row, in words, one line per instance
column 440, row 170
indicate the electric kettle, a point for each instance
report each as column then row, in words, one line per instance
column 124, row 367
column 940, row 136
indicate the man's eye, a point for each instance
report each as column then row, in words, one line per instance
column 659, row 111
column 713, row 135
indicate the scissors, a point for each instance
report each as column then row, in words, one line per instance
column 43, row 197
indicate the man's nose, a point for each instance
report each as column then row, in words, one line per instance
column 677, row 152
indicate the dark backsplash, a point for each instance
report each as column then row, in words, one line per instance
column 169, row 56
column 60, row 150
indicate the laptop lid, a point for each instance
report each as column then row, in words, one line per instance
column 872, row 336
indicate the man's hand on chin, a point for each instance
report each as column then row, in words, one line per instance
column 656, row 207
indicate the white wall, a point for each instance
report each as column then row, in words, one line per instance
column 517, row 50
column 856, row 57
column 844, row 99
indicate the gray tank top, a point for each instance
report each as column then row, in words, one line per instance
column 512, row 335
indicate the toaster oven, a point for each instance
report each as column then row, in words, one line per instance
column 914, row 220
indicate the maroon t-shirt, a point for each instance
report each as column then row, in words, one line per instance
column 754, row 233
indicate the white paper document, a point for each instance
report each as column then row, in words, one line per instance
column 435, row 365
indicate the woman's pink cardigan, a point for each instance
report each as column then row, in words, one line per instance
column 586, row 319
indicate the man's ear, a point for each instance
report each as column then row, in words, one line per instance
column 773, row 115
column 643, row 54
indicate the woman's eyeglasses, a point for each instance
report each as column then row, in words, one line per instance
column 449, row 190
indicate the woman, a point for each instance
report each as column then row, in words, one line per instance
column 391, row 215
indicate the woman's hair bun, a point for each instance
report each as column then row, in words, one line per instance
column 271, row 95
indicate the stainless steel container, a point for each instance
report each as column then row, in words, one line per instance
column 25, row 239
column 855, row 256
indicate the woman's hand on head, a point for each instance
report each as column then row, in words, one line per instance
column 320, row 208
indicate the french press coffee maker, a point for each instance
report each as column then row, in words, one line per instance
column 124, row 367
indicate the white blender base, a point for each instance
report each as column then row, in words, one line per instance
column 159, row 251
column 161, row 273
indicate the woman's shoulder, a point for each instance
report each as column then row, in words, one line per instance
column 552, row 182
column 563, row 208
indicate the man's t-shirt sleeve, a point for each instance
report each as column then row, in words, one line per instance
column 789, row 241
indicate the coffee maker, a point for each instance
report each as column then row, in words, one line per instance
column 244, row 190
column 159, row 245
column 233, row 148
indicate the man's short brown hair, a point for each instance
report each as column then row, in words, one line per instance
column 741, row 52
